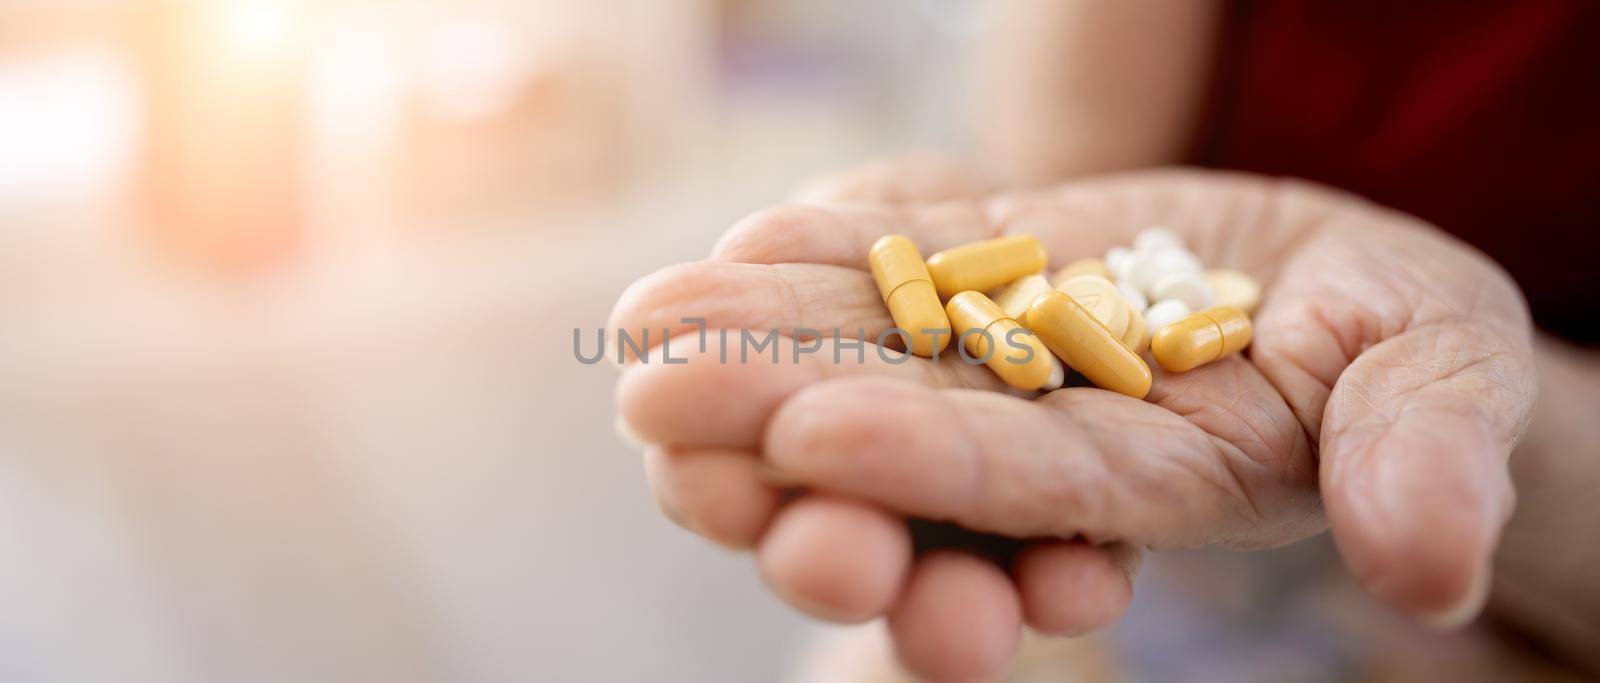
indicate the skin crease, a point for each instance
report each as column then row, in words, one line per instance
column 1226, row 454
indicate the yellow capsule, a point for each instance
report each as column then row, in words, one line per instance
column 1083, row 266
column 1013, row 353
column 1074, row 334
column 982, row 266
column 1015, row 297
column 1201, row 338
column 907, row 290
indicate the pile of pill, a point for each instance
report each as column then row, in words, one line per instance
column 1100, row 316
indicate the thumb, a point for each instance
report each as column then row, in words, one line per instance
column 1408, row 357
column 1415, row 442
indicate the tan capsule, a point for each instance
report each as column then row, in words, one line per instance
column 1013, row 353
column 1083, row 266
column 1015, row 297
column 1137, row 338
column 1102, row 299
column 1201, row 338
column 983, row 266
column 1233, row 288
column 1074, row 334
column 908, row 291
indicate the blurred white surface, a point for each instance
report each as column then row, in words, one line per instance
column 377, row 459
column 388, row 468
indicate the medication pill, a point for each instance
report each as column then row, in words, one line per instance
column 983, row 266
column 1087, row 346
column 1015, row 297
column 1086, row 266
column 1137, row 338
column 1006, row 346
column 1201, row 338
column 1146, row 267
column 1100, row 297
column 1133, row 296
column 1164, row 313
column 1117, row 260
column 1190, row 288
column 1156, row 237
column 1233, row 288
column 908, row 291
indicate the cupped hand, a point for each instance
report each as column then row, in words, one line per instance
column 1389, row 378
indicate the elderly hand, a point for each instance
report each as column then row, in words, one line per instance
column 1390, row 376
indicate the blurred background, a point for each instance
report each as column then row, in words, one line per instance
column 286, row 297
column 287, row 390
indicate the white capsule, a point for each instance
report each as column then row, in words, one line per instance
column 1146, row 267
column 1132, row 295
column 1156, row 237
column 1117, row 261
column 1190, row 288
column 1164, row 313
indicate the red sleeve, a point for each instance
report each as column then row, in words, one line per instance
column 1480, row 117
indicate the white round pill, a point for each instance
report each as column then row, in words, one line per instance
column 1117, row 261
column 1164, row 313
column 1134, row 297
column 1156, row 237
column 1146, row 267
column 1098, row 296
column 1190, row 288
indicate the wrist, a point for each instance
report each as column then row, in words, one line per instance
column 1546, row 563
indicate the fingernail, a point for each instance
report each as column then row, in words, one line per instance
column 1467, row 608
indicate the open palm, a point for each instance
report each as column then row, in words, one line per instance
column 1389, row 378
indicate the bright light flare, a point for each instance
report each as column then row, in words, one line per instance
column 471, row 70
column 255, row 28
column 68, row 126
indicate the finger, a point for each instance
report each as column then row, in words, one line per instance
column 1408, row 358
column 841, row 235
column 718, row 494
column 834, row 558
column 1075, row 461
column 788, row 298
column 712, row 400
column 895, row 181
column 959, row 619
column 1415, row 475
column 1070, row 588
column 1074, row 220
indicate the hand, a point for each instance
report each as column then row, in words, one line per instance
column 1396, row 355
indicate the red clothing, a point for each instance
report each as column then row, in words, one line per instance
column 1480, row 117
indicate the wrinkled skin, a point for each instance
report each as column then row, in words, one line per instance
column 1390, row 376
